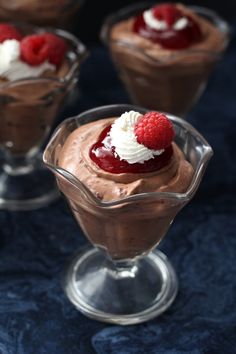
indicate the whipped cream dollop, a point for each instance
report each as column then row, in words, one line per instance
column 124, row 140
column 160, row 25
column 13, row 68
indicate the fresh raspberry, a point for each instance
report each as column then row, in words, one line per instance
column 167, row 12
column 37, row 48
column 34, row 49
column 56, row 48
column 154, row 130
column 8, row 32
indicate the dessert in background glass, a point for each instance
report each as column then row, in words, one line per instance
column 54, row 13
column 32, row 91
column 123, row 279
column 164, row 56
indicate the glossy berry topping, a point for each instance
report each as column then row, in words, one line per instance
column 37, row 48
column 154, row 130
column 102, row 153
column 8, row 32
column 169, row 36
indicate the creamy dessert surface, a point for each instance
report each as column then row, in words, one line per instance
column 213, row 39
column 28, row 89
column 74, row 158
column 38, row 11
column 60, row 73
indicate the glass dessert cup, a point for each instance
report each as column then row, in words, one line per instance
column 123, row 279
column 168, row 83
column 38, row 12
column 28, row 109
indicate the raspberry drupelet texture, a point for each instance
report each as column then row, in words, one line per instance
column 154, row 130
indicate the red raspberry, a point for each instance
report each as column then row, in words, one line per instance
column 57, row 48
column 34, row 49
column 167, row 12
column 154, row 130
column 8, row 32
column 37, row 48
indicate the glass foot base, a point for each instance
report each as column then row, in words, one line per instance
column 125, row 296
column 30, row 189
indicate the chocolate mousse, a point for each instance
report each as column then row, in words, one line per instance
column 109, row 157
column 35, row 73
column 165, row 54
column 39, row 12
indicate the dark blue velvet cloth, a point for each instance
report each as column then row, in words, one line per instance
column 35, row 315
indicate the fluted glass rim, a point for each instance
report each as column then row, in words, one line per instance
column 127, row 11
column 79, row 50
column 182, row 197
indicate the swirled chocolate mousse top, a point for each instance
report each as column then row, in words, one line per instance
column 167, row 29
column 131, row 154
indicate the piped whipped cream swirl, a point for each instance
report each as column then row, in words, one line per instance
column 124, row 140
column 160, row 25
column 13, row 68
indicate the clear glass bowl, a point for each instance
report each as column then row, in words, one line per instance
column 28, row 109
column 165, row 82
column 38, row 12
column 123, row 279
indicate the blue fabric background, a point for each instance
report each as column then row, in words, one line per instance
column 36, row 317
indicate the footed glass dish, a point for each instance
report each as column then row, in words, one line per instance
column 123, row 278
column 28, row 109
column 165, row 80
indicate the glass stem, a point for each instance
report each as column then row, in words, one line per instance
column 123, row 268
column 17, row 164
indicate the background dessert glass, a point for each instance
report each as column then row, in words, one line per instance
column 38, row 12
column 170, row 83
column 123, row 279
column 28, row 108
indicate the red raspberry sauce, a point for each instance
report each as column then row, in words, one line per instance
column 169, row 38
column 102, row 154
